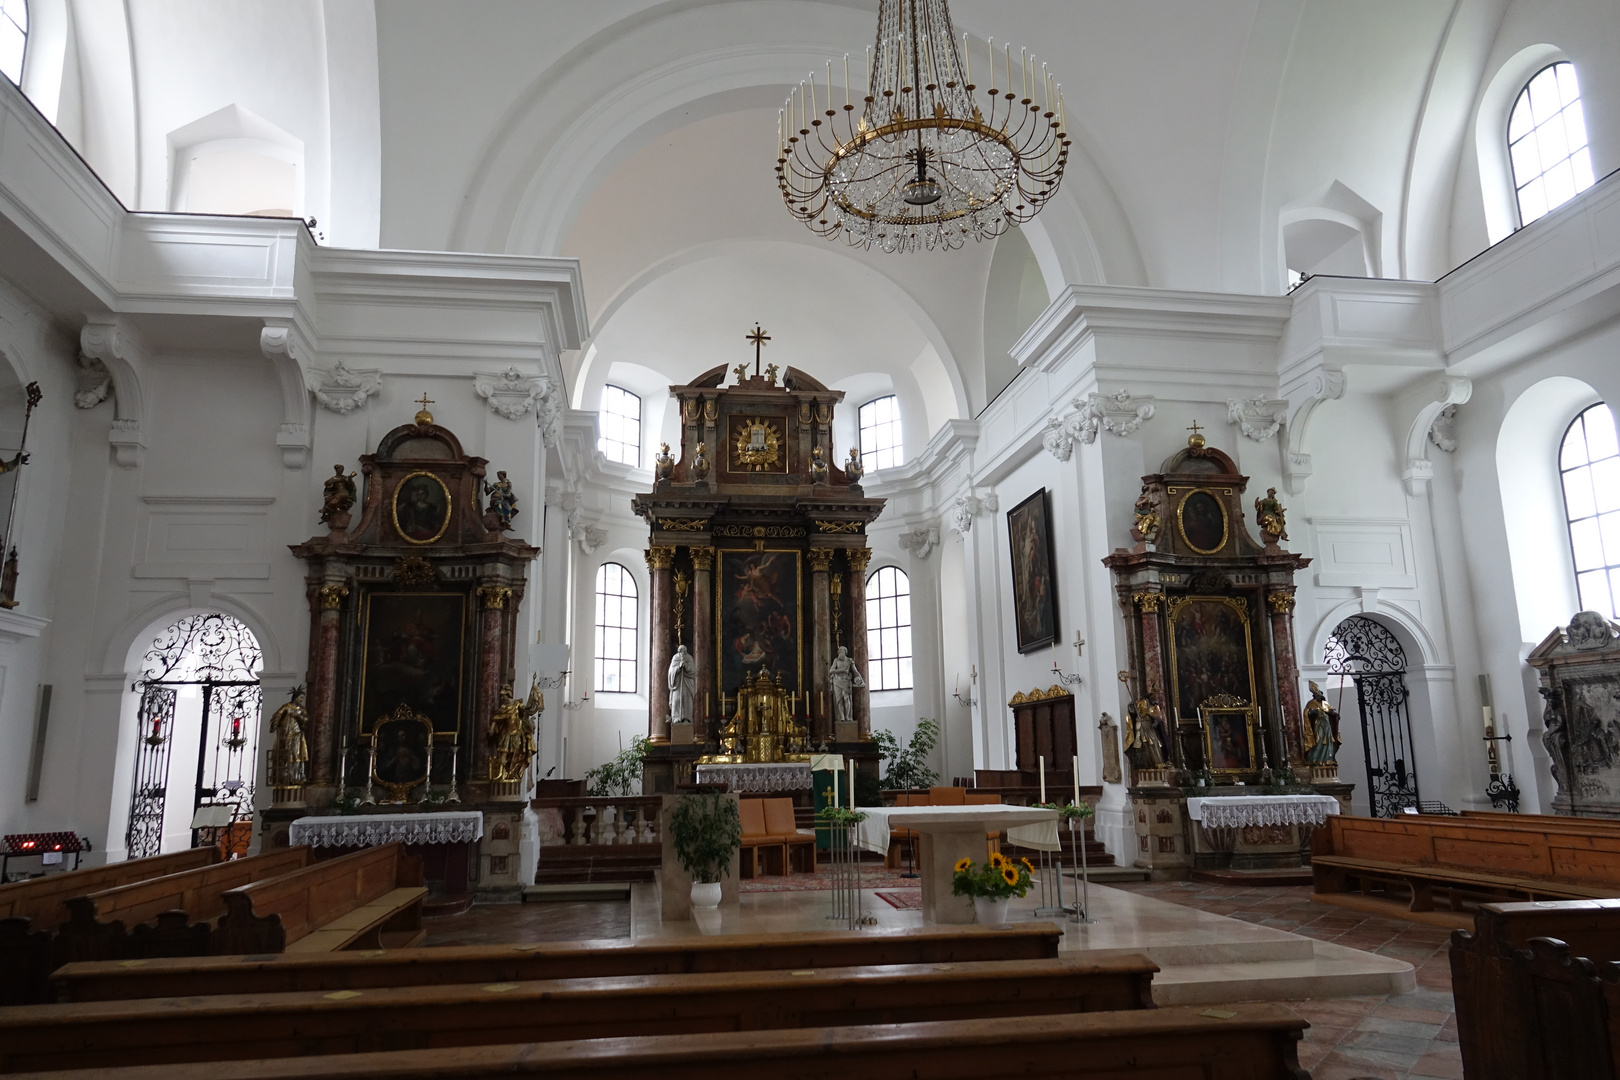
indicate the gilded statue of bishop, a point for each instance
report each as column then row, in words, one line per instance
column 289, row 752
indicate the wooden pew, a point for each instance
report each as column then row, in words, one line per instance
column 1494, row 980
column 31, row 912
column 366, row 970
column 1465, row 859
column 173, row 915
column 232, row 1027
column 1256, row 1042
column 370, row 899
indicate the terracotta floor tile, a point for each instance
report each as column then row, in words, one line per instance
column 1447, row 1065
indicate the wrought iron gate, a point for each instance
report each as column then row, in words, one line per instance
column 219, row 655
column 1369, row 654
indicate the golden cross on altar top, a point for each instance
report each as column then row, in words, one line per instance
column 1195, row 429
column 759, row 338
column 425, row 401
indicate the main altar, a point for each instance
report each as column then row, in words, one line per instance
column 408, row 721
column 1226, row 772
column 757, row 553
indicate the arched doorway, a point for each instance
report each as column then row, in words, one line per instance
column 1363, row 651
column 198, row 738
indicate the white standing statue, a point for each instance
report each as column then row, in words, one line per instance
column 682, row 685
column 843, row 676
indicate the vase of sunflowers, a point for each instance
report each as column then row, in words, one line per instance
column 991, row 884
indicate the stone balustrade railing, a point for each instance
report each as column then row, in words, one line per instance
column 599, row 820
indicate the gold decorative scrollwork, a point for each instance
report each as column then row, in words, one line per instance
column 710, row 410
column 1037, row 694
column 494, row 596
column 820, row 559
column 332, row 596
column 682, row 524
column 760, row 532
column 702, row 558
column 414, row 571
column 838, row 526
column 1281, row 603
column 1148, row 601
column 757, row 445
column 858, row 558
column 660, row 557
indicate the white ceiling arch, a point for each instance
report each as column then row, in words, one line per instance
column 584, row 116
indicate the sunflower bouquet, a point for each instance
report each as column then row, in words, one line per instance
column 998, row 879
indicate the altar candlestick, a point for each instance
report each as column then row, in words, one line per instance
column 1041, row 765
column 835, row 779
column 1489, row 719
column 852, row 784
column 1077, row 780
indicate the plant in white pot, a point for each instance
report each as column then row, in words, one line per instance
column 991, row 885
column 706, row 831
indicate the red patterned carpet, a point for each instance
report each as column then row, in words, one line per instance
column 873, row 876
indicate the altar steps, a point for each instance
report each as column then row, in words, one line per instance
column 1097, row 856
column 562, row 864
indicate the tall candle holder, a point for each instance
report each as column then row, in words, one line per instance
column 969, row 701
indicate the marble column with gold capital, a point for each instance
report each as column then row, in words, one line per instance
column 323, row 695
column 492, row 601
column 703, row 638
column 856, row 599
column 660, row 560
column 1281, row 604
column 820, row 642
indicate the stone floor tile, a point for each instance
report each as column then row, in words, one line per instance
column 1447, row 1065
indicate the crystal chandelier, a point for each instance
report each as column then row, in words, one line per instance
column 925, row 160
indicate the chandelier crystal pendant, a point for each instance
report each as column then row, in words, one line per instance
column 926, row 160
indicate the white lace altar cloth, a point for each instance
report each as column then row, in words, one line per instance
column 374, row 830
column 786, row 776
column 1237, row 811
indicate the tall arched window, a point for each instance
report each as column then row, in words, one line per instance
column 615, row 630
column 620, row 422
column 880, row 433
column 13, row 38
column 1589, row 464
column 888, row 629
column 1547, row 142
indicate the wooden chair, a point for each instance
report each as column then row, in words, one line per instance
column 370, row 899
column 757, row 840
column 31, row 913
column 236, row 1027
column 781, row 823
column 1255, row 1042
column 208, row 975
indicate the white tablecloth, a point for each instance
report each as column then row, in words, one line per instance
column 786, row 776
column 1236, row 811
column 873, row 833
column 373, row 830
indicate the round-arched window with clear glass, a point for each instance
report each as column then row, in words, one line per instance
column 1547, row 142
column 1589, row 468
column 616, row 598
column 888, row 629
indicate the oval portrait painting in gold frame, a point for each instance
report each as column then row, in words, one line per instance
column 1201, row 517
column 421, row 508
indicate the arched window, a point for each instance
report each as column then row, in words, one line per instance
column 880, row 434
column 13, row 38
column 1547, row 142
column 888, row 628
column 620, row 423
column 1589, row 465
column 615, row 630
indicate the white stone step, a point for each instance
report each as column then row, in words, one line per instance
column 1334, row 971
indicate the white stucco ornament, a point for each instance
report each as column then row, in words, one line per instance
column 1258, row 418
column 344, row 389
column 94, row 383
column 967, row 507
column 511, row 393
column 920, row 542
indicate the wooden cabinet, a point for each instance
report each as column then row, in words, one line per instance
column 1044, row 722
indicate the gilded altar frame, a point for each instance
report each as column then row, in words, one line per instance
column 1179, row 607
column 1233, row 725
column 1215, row 496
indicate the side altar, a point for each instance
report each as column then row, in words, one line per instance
column 1215, row 710
column 413, row 618
column 757, row 552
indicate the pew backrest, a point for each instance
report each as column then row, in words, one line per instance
column 554, row 960
column 43, row 900
column 1547, row 852
column 270, row 915
column 199, row 893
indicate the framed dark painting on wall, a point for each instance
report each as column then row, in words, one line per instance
column 413, row 657
column 756, row 618
column 1029, row 529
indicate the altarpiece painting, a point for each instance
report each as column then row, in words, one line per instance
column 757, row 619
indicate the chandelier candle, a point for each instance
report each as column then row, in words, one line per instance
column 925, row 160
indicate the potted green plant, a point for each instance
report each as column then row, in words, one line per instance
column 706, row 831
column 907, row 767
column 991, row 885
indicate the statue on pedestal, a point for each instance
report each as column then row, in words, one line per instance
column 1272, row 517
column 682, row 685
column 502, row 500
column 843, row 678
column 337, row 496
column 1146, row 529
column 511, row 735
column 289, row 752
column 1144, row 740
column 1321, row 729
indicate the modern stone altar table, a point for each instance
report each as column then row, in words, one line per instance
column 949, row 834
